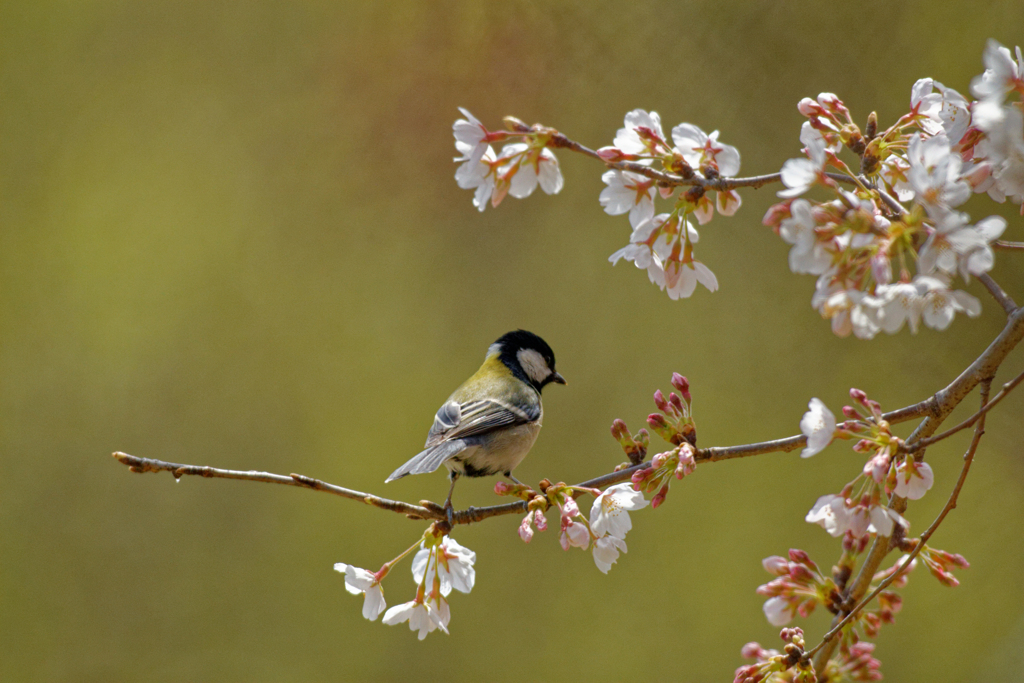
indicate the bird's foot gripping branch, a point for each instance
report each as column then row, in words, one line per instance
column 874, row 213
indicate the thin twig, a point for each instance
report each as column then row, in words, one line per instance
column 141, row 465
column 998, row 293
column 950, row 504
column 1000, row 244
column 1006, row 389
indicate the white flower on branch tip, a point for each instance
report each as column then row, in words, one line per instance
column 628, row 192
column 479, row 175
column 606, row 552
column 809, row 253
column 935, row 176
column 944, row 110
column 850, row 310
column 633, row 139
column 700, row 149
column 470, row 137
column 831, row 514
column 798, row 175
column 954, row 242
column 1001, row 74
column 1000, row 153
column 610, row 511
column 453, row 563
column 530, row 167
column 940, row 303
column 777, row 611
column 363, row 581
column 818, row 425
column 913, row 479
column 573, row 534
column 681, row 278
column 422, row 616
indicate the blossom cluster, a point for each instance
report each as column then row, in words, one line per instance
column 674, row 423
column 860, row 243
column 439, row 566
column 517, row 170
column 859, row 508
column 604, row 531
column 663, row 243
column 779, row 667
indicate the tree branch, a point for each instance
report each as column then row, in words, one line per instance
column 998, row 293
column 945, row 400
column 1000, row 244
column 950, row 504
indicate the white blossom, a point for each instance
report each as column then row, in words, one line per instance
column 453, row 563
column 610, row 511
column 819, row 425
column 478, row 174
column 628, row 192
column 883, row 519
column 850, row 310
column 422, row 616
column 606, row 552
column 363, row 581
column 901, row 303
column 777, row 611
column 809, row 254
column 831, row 513
column 681, row 278
column 470, row 137
column 913, row 479
column 531, row 167
column 1001, row 72
column 699, row 148
column 940, row 303
column 799, row 174
column 935, row 176
column 629, row 140
column 945, row 110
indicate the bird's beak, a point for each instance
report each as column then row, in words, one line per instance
column 558, row 378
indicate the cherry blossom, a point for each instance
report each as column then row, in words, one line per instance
column 530, row 167
column 363, row 581
column 831, row 514
column 480, row 174
column 702, row 150
column 422, row 616
column 778, row 611
column 610, row 511
column 642, row 134
column 452, row 562
column 818, row 425
column 913, row 479
column 935, row 175
column 606, row 552
column 628, row 192
column 940, row 303
column 799, row 174
column 944, row 110
column 470, row 137
column 809, row 253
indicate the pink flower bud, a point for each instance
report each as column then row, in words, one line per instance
column 776, row 214
column 656, row 501
column 656, row 421
column 751, row 650
column 859, row 396
column 659, row 460
column 525, row 531
column 682, row 384
column 619, row 429
column 611, row 154
column 808, row 107
column 502, row 489
column 659, row 400
column 851, row 413
column 677, row 403
column 776, row 565
column 799, row 556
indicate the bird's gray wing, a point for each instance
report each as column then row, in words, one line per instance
column 460, row 420
column 454, row 424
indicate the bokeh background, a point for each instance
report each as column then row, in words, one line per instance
column 229, row 235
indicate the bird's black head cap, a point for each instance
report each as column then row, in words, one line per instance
column 511, row 347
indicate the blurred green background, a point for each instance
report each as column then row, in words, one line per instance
column 229, row 235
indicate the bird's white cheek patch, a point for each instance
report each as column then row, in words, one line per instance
column 534, row 364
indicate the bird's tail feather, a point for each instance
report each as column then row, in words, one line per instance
column 429, row 460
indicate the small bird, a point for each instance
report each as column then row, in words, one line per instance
column 488, row 425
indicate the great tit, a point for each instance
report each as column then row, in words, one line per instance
column 488, row 425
